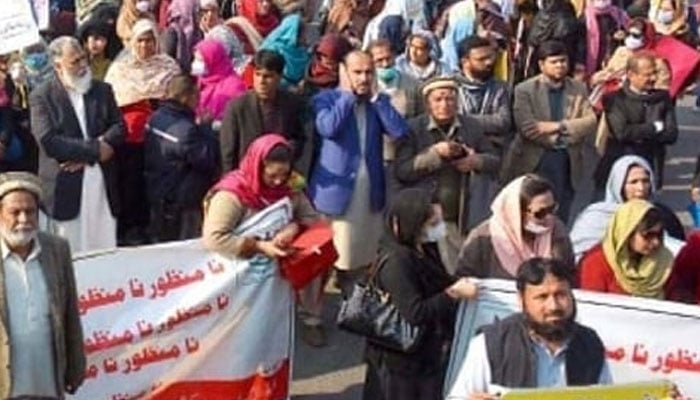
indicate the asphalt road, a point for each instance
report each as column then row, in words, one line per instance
column 336, row 372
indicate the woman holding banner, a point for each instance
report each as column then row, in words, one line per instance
column 632, row 259
column 263, row 178
column 523, row 225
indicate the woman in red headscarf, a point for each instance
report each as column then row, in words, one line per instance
column 255, row 20
column 263, row 178
column 323, row 69
column 684, row 283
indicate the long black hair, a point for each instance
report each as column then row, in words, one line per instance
column 409, row 211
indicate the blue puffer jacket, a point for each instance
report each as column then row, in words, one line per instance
column 181, row 157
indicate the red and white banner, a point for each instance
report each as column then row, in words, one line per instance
column 177, row 322
column 644, row 339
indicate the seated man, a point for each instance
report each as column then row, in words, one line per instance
column 540, row 347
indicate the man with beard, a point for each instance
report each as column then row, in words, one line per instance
column 77, row 123
column 541, row 347
column 40, row 334
column 487, row 100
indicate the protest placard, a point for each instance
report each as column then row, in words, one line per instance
column 18, row 28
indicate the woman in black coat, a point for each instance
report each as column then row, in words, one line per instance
column 425, row 295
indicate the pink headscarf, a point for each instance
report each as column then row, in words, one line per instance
column 246, row 181
column 505, row 227
column 593, row 35
column 221, row 84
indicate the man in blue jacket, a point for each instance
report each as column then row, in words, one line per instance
column 347, row 180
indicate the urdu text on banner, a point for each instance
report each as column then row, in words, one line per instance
column 18, row 27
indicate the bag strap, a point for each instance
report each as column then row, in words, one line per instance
column 374, row 269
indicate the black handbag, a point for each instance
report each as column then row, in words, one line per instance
column 369, row 312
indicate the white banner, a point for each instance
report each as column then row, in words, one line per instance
column 644, row 339
column 177, row 322
column 42, row 11
column 18, row 28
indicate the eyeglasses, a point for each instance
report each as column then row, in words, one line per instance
column 649, row 235
column 543, row 212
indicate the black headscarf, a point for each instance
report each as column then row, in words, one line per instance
column 555, row 21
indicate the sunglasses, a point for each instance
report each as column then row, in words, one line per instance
column 543, row 212
column 649, row 235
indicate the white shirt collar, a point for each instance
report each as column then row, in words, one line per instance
column 6, row 252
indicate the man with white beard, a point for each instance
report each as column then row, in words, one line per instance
column 41, row 341
column 77, row 124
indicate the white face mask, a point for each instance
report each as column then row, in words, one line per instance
column 433, row 233
column 633, row 43
column 536, row 229
column 198, row 68
column 143, row 6
column 601, row 3
column 665, row 17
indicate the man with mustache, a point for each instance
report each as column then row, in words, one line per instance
column 41, row 341
column 541, row 347
column 78, row 126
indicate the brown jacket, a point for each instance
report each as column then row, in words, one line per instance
column 55, row 260
column 532, row 105
column 478, row 258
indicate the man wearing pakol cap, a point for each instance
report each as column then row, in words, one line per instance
column 41, row 341
column 442, row 152
column 77, row 124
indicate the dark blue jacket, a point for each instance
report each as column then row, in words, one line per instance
column 333, row 176
column 181, row 158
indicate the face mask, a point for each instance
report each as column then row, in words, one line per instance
column 36, row 61
column 198, row 68
column 435, row 232
column 665, row 17
column 536, row 229
column 601, row 3
column 143, row 6
column 633, row 43
column 387, row 75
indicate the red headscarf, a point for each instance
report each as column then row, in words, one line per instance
column 246, row 181
column 333, row 46
column 264, row 24
column 684, row 283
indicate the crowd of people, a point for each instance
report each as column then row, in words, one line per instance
column 449, row 137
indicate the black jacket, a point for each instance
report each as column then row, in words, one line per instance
column 55, row 126
column 513, row 362
column 416, row 285
column 630, row 117
column 180, row 157
column 242, row 123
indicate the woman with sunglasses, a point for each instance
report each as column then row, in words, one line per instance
column 631, row 259
column 523, row 225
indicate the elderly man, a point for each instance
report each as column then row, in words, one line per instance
column 78, row 125
column 441, row 153
column 552, row 117
column 347, row 180
column 543, row 346
column 42, row 341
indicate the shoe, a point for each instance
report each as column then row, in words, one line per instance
column 313, row 335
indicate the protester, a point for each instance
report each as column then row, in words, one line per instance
column 262, row 179
column 684, row 282
column 605, row 24
column 402, row 88
column 631, row 177
column 347, row 179
column 95, row 39
column 139, row 78
column 540, row 347
column 218, row 82
column 255, row 20
column 424, row 294
column 181, row 31
column 37, row 65
column 286, row 40
column 208, row 15
column 421, row 61
column 78, row 125
column 181, row 164
column 442, row 153
column 641, row 119
column 266, row 108
column 395, row 19
column 323, row 67
column 16, row 112
column 555, row 21
column 523, row 226
column 44, row 356
column 670, row 19
column 461, row 22
column 551, row 132
column 631, row 259
column 130, row 12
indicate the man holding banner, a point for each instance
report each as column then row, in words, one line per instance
column 540, row 347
